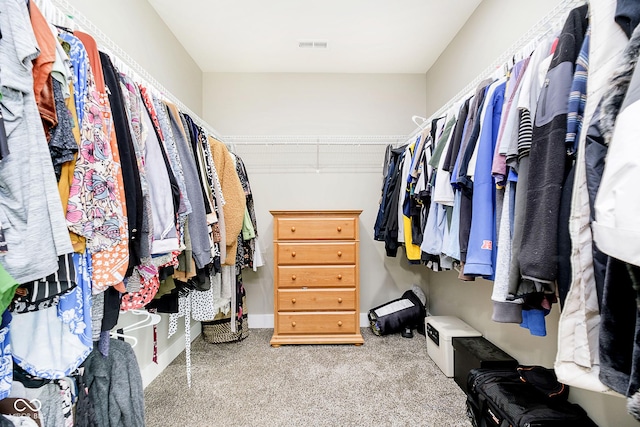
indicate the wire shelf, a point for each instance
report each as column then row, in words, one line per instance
column 312, row 157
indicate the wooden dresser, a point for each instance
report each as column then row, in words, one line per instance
column 316, row 277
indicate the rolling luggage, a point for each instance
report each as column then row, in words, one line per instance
column 503, row 398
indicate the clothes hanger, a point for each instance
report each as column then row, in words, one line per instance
column 150, row 319
column 129, row 337
column 419, row 121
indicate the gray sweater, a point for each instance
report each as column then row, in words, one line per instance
column 115, row 386
column 197, row 219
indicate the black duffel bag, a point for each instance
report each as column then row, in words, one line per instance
column 503, row 398
column 394, row 316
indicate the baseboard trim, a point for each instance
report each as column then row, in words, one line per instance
column 265, row 321
column 260, row 321
column 152, row 370
column 364, row 320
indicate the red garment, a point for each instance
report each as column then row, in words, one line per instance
column 43, row 64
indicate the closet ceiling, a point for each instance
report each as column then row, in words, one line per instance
column 364, row 36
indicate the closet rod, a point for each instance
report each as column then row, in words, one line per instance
column 314, row 139
column 546, row 25
column 85, row 24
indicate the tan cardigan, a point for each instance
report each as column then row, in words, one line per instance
column 235, row 202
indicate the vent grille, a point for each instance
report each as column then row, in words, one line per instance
column 313, row 44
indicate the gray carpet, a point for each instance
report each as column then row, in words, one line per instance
column 389, row 381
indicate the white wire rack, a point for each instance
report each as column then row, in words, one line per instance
column 68, row 16
column 523, row 46
column 307, row 154
column 314, row 139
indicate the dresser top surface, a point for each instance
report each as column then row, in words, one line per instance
column 316, row 212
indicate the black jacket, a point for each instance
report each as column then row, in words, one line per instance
column 548, row 158
column 391, row 243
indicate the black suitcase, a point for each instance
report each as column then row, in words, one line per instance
column 501, row 398
column 477, row 352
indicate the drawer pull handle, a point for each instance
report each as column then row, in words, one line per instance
column 293, row 229
column 339, row 300
column 339, row 276
column 293, row 324
column 339, row 322
column 339, row 229
column 293, row 254
column 293, row 277
column 293, row 300
column 339, row 253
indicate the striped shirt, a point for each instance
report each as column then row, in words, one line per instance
column 578, row 97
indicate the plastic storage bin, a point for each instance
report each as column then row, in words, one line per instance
column 439, row 332
column 478, row 352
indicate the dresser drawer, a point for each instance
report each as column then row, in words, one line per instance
column 316, row 253
column 316, row 229
column 317, row 323
column 316, row 277
column 316, row 299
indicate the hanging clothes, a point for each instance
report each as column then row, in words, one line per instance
column 249, row 224
column 199, row 246
column 538, row 256
column 31, row 202
column 387, row 229
column 234, row 197
column 230, row 324
column 130, row 170
column 184, row 206
column 578, row 361
column 51, row 349
column 509, row 126
column 506, row 310
column 95, row 192
column 115, row 386
column 130, row 174
column 459, row 173
column 404, row 206
column 442, row 190
column 620, row 312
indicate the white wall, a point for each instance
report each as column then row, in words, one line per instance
column 490, row 31
column 136, row 28
column 312, row 104
column 315, row 104
column 486, row 36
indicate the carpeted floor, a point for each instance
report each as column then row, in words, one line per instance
column 389, row 381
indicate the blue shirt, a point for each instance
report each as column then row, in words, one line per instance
column 482, row 250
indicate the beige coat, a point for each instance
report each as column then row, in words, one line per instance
column 235, row 202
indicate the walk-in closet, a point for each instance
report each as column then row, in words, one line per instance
column 319, row 213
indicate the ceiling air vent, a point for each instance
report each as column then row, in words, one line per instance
column 313, row 44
